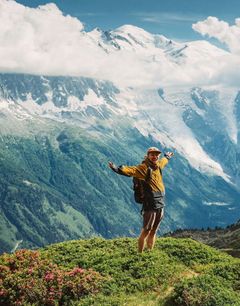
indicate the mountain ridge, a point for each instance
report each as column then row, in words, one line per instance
column 225, row 239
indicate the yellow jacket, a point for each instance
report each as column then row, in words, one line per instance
column 140, row 172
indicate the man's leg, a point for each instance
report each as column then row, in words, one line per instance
column 141, row 240
column 151, row 238
column 148, row 221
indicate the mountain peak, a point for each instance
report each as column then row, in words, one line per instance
column 131, row 29
column 134, row 31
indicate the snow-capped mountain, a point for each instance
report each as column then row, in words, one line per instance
column 56, row 113
column 134, row 39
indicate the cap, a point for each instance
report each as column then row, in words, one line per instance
column 153, row 149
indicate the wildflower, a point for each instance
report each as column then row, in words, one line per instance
column 49, row 276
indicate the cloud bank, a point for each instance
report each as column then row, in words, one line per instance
column 41, row 40
column 221, row 30
column 44, row 41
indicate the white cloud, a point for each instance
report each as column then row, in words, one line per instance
column 221, row 30
column 225, row 71
column 44, row 41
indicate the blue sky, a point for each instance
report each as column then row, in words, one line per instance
column 172, row 18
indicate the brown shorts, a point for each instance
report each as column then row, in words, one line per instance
column 152, row 219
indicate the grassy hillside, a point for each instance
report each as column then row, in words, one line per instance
column 110, row 272
column 226, row 239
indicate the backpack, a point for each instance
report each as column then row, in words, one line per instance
column 139, row 187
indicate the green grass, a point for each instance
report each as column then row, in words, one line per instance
column 178, row 272
column 171, row 274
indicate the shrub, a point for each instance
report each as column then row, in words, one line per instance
column 207, row 290
column 191, row 252
column 228, row 272
column 129, row 271
column 27, row 278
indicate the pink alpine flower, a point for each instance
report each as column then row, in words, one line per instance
column 49, row 276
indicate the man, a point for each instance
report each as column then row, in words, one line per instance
column 150, row 172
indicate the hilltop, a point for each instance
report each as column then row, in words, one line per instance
column 225, row 239
column 111, row 272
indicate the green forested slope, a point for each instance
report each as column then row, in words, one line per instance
column 58, row 187
column 55, row 185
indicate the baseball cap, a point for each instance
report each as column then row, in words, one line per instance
column 153, row 149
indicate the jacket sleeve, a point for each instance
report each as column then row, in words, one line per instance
column 138, row 171
column 162, row 162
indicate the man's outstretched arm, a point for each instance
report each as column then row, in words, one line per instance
column 116, row 168
column 135, row 171
column 164, row 161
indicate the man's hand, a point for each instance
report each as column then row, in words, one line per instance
column 112, row 166
column 169, row 155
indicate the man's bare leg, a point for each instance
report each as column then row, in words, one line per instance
column 141, row 240
column 151, row 238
